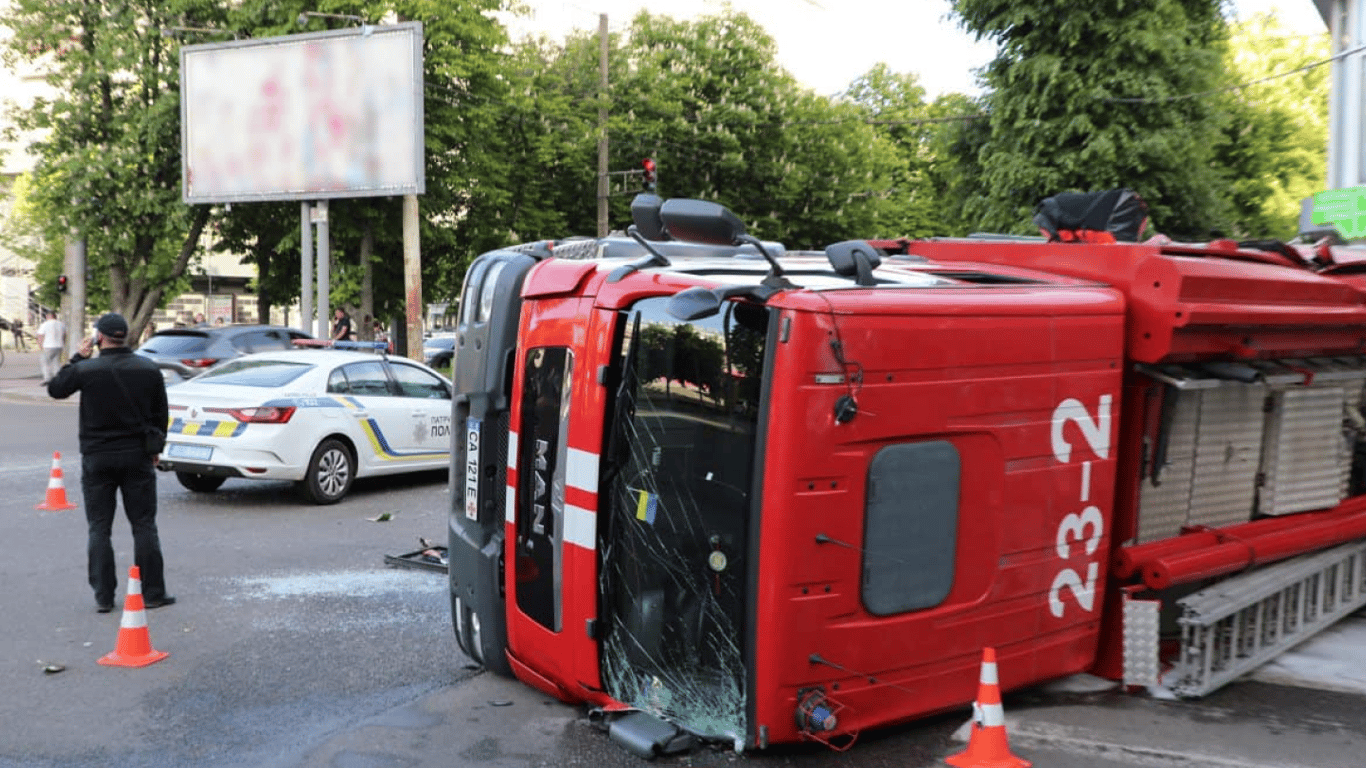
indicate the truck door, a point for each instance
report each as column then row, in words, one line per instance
column 557, row 422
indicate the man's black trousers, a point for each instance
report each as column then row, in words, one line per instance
column 135, row 478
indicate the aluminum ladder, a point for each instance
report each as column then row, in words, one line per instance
column 1240, row 623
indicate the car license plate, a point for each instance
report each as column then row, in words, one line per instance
column 183, row 451
column 472, row 468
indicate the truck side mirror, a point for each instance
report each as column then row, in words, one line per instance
column 701, row 221
column 854, row 258
column 693, row 304
column 645, row 214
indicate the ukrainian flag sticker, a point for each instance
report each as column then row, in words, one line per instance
column 647, row 504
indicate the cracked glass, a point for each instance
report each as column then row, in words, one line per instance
column 678, row 492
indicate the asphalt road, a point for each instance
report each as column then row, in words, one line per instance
column 294, row 646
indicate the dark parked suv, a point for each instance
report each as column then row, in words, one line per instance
column 183, row 353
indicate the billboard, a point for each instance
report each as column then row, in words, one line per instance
column 303, row 117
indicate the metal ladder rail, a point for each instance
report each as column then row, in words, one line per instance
column 1242, row 622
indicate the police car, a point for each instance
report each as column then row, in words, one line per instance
column 319, row 417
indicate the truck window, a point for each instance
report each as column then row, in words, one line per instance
column 541, row 481
column 912, row 520
column 678, row 486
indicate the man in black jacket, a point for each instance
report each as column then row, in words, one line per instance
column 121, row 395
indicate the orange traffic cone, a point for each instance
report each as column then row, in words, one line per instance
column 988, row 746
column 56, row 491
column 134, row 646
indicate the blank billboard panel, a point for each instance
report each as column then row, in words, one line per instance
column 303, row 117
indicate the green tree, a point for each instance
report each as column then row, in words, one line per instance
column 922, row 134
column 109, row 157
column 1086, row 96
column 22, row 235
column 1275, row 149
column 706, row 101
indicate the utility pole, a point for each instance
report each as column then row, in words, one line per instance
column 602, row 125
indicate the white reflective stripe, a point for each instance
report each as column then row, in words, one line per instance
column 580, row 527
column 510, row 508
column 54, row 482
column 135, row 586
column 133, row 620
column 581, row 470
column 989, row 674
column 992, row 715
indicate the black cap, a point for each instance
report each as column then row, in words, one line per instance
column 112, row 325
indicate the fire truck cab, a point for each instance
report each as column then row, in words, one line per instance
column 755, row 496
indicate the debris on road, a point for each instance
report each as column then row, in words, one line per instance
column 430, row 558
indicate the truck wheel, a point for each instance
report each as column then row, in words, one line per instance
column 199, row 483
column 330, row 473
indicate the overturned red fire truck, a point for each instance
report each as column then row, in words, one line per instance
column 719, row 490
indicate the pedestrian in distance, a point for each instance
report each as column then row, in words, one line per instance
column 51, row 340
column 341, row 326
column 17, row 325
column 199, row 321
column 123, row 413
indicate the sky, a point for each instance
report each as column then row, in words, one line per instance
column 825, row 44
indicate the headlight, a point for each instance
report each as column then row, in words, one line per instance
column 486, row 292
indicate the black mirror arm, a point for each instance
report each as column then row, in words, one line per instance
column 653, row 259
column 777, row 271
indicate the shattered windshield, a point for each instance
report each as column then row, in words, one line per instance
column 678, row 490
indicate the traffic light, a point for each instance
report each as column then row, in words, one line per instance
column 61, row 283
column 649, row 165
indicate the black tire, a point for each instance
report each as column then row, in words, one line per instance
column 330, row 472
column 200, row 483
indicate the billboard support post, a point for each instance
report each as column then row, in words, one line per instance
column 306, row 268
column 412, row 276
column 324, row 270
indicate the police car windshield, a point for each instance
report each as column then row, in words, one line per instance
column 256, row 373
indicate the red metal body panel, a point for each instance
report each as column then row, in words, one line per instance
column 989, row 371
column 563, row 663
column 1185, row 307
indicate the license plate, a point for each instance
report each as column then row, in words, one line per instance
column 472, row 469
column 183, row 451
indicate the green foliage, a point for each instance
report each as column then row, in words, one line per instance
column 109, row 156
column 1088, row 96
column 706, row 101
column 921, row 203
column 1273, row 153
column 22, row 235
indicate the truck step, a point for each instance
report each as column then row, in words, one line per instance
column 1240, row 623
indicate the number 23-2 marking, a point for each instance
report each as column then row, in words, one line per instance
column 1076, row 527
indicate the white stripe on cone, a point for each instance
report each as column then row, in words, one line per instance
column 989, row 716
column 134, row 619
column 989, row 673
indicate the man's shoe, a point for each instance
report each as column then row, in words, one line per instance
column 167, row 600
column 104, row 607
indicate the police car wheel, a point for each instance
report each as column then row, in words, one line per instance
column 199, row 483
column 330, row 472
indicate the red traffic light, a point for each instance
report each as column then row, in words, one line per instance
column 649, row 165
column 61, row 283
